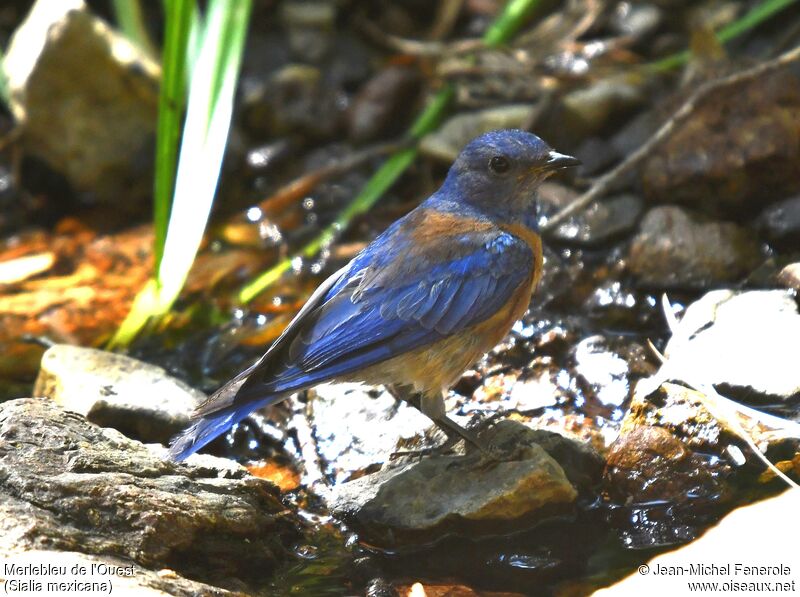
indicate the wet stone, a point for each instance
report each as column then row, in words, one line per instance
column 601, row 222
column 112, row 390
column 609, row 367
column 675, row 250
column 421, row 501
column 667, row 472
column 779, row 224
column 354, row 430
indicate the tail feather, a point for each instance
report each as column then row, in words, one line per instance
column 211, row 426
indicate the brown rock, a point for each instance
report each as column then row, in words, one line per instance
column 740, row 149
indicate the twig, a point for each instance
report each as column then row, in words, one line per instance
column 602, row 184
column 414, row 47
column 446, row 16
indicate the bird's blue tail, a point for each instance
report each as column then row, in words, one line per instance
column 211, row 426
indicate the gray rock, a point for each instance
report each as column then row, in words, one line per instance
column 87, row 100
column 635, row 20
column 601, row 222
column 744, row 343
column 294, row 100
column 590, row 108
column 112, row 390
column 448, row 140
column 69, row 486
column 420, row 502
column 780, row 224
column 672, row 249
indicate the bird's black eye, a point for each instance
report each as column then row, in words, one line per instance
column 499, row 164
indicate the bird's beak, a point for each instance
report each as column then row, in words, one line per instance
column 558, row 161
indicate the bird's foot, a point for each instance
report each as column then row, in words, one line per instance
column 443, row 449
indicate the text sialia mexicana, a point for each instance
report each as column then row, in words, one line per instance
column 420, row 304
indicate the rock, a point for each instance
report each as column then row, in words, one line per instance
column 67, row 485
column 294, row 101
column 744, row 343
column 87, row 100
column 609, row 367
column 310, row 26
column 653, row 456
column 673, row 250
column 739, row 150
column 603, row 221
column 789, row 276
column 112, row 390
column 448, row 140
column 780, row 224
column 418, row 502
column 667, row 469
column 383, row 103
column 590, row 109
column 635, row 20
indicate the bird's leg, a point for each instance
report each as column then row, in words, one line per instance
column 432, row 406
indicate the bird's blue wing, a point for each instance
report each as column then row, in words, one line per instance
column 424, row 294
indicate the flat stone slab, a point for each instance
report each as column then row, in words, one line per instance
column 423, row 500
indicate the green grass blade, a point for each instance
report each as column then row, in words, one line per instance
column 205, row 133
column 208, row 119
column 171, row 102
column 757, row 15
column 5, row 92
column 515, row 13
column 131, row 22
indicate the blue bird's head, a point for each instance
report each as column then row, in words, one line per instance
column 498, row 173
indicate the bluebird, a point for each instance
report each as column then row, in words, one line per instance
column 421, row 303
